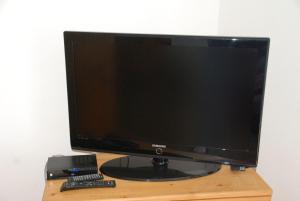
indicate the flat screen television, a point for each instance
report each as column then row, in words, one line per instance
column 179, row 106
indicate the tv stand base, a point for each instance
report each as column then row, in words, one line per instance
column 156, row 169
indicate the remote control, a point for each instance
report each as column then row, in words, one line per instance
column 87, row 184
column 88, row 177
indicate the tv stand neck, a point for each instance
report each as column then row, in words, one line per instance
column 160, row 162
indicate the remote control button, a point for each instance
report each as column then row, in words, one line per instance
column 87, row 184
column 85, row 177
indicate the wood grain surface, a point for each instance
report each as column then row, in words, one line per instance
column 225, row 185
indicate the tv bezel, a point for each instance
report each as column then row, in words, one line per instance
column 87, row 144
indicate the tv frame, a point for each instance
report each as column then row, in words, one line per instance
column 89, row 145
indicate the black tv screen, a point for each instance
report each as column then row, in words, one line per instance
column 195, row 97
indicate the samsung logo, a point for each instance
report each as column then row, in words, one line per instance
column 159, row 146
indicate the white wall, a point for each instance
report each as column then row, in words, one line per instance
column 279, row 161
column 33, row 100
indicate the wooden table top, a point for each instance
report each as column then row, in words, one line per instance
column 223, row 184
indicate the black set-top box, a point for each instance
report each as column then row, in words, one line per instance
column 64, row 166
